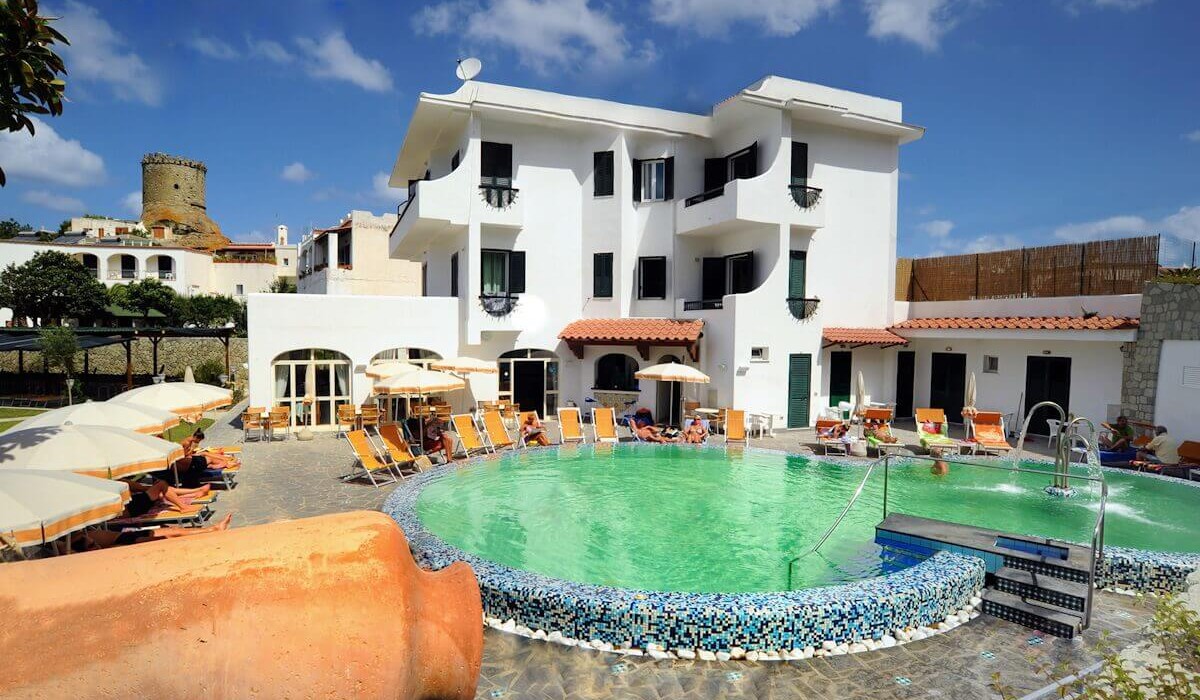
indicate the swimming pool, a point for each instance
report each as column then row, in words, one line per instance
column 674, row 518
column 645, row 546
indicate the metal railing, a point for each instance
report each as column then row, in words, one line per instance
column 704, row 196
column 703, row 305
column 802, row 307
column 1097, row 540
column 804, row 196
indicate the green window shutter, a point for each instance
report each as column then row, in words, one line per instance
column 602, row 173
column 797, row 273
column 516, row 272
column 602, row 275
column 799, row 389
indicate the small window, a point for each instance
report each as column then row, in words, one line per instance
column 454, row 275
column 502, row 272
column 1191, row 377
column 602, row 174
column 495, row 164
column 991, row 364
column 742, row 164
column 652, row 278
column 240, row 290
column 602, row 275
column 760, row 354
column 654, row 180
column 286, row 263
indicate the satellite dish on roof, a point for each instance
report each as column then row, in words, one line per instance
column 468, row 68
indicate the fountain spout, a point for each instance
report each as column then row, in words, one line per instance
column 1062, row 452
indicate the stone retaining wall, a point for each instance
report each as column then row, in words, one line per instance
column 1169, row 312
column 174, row 354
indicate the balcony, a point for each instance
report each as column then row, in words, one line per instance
column 703, row 305
column 432, row 206
column 502, row 204
column 122, row 275
column 758, row 200
column 163, row 274
column 802, row 308
column 498, row 305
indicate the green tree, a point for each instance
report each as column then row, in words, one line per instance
column 52, row 287
column 149, row 295
column 30, row 71
column 282, row 285
column 64, row 227
column 206, row 311
column 11, row 227
column 60, row 345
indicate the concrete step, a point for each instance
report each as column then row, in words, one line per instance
column 1069, row 595
column 1007, row 606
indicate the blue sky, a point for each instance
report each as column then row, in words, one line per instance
column 1048, row 120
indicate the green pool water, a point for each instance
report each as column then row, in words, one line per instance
column 671, row 518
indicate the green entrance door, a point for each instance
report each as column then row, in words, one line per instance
column 799, row 389
column 839, row 377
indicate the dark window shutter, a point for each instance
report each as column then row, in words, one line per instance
column 797, row 272
column 602, row 173
column 799, row 163
column 712, row 279
column 669, row 176
column 714, row 173
column 495, row 162
column 652, row 280
column 454, row 275
column 455, row 160
column 602, row 275
column 754, row 159
column 516, row 272
column 637, row 180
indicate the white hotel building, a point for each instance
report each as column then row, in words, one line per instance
column 576, row 240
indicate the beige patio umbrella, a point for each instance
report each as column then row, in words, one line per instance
column 673, row 372
column 94, row 450
column 389, row 368
column 420, row 383
column 177, row 397
column 860, row 394
column 130, row 416
column 465, row 365
column 189, row 376
column 969, row 409
column 39, row 506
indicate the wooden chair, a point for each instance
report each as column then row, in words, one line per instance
column 252, row 420
column 280, row 418
column 369, row 417
column 346, row 420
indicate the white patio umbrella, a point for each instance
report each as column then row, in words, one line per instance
column 310, row 391
column 419, row 383
column 39, row 506
column 178, row 397
column 860, row 394
column 189, row 376
column 94, row 450
column 673, row 372
column 389, row 368
column 465, row 365
column 969, row 410
column 130, row 416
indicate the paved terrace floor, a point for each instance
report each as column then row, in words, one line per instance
column 293, row 479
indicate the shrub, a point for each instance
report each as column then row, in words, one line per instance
column 209, row 371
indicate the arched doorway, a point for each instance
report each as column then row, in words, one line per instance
column 529, row 378
column 330, row 388
column 90, row 262
column 668, row 396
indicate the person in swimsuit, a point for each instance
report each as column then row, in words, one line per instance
column 103, row 539
column 533, row 432
column 143, row 497
column 695, row 433
column 436, row 439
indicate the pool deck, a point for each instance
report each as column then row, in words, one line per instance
column 293, row 479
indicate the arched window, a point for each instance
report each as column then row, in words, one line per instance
column 416, row 356
column 529, row 378
column 329, row 372
column 614, row 372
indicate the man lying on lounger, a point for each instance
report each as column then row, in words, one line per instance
column 103, row 539
column 643, row 425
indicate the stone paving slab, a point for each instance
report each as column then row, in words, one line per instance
column 288, row 478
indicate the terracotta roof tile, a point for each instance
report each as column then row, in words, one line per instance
column 632, row 330
column 861, row 336
column 1035, row 323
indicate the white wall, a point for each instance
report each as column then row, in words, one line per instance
column 254, row 277
column 1177, row 403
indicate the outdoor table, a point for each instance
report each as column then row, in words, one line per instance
column 768, row 418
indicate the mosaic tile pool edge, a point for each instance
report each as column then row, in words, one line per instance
column 919, row 596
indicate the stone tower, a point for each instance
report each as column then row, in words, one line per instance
column 173, row 194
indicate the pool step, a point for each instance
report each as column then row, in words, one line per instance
column 1061, row 593
column 1007, row 606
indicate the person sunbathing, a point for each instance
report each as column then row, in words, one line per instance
column 103, row 539
column 646, row 430
column 533, row 432
column 695, row 433
column 143, row 497
column 437, row 439
column 880, row 432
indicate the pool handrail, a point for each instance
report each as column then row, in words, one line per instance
column 1097, row 548
column 857, row 492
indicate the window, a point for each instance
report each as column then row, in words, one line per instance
column 331, row 371
column 454, row 275
column 652, row 278
column 602, row 275
column 743, row 164
column 991, row 364
column 602, row 174
column 614, row 372
column 653, row 180
column 739, row 273
column 239, row 290
column 502, row 272
column 799, row 163
column 495, row 164
column 286, row 263
column 760, row 354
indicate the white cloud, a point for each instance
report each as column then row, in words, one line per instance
column 296, row 172
column 1193, row 136
column 48, row 156
column 1076, row 6
column 715, row 17
column 132, row 202
column 213, row 48
column 938, row 228
column 271, row 50
column 989, row 242
column 383, row 193
column 334, row 58
column 923, row 22
column 1184, row 223
column 57, row 202
column 98, row 53
column 545, row 34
